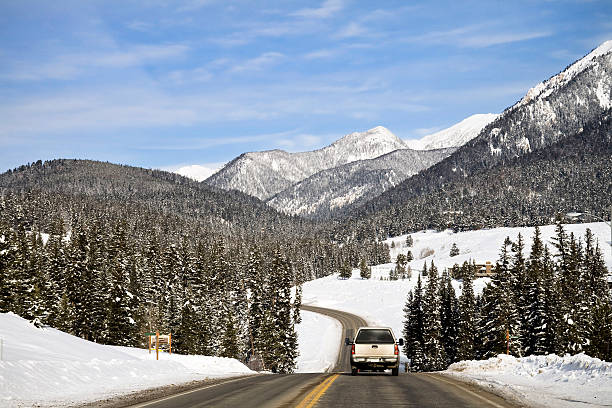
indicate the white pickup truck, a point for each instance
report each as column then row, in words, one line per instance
column 375, row 349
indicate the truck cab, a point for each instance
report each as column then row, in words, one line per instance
column 374, row 349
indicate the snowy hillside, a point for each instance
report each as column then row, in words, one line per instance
column 456, row 135
column 331, row 191
column 263, row 174
column 46, row 367
column 380, row 302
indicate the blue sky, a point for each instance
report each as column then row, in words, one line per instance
column 167, row 83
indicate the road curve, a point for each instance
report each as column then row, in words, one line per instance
column 350, row 324
column 334, row 390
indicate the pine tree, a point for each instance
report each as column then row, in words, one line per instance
column 435, row 358
column 449, row 317
column 454, row 250
column 346, row 271
column 409, row 241
column 414, row 328
column 467, row 324
column 364, row 270
column 535, row 301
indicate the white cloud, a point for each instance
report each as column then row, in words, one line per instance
column 477, row 36
column 352, row 30
column 320, row 54
column 200, row 74
column 327, row 9
column 301, row 142
column 70, row 66
column 255, row 64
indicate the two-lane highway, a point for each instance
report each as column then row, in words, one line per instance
column 338, row 389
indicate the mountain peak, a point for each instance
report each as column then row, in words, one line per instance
column 545, row 88
column 456, row 135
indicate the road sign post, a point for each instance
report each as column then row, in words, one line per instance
column 507, row 342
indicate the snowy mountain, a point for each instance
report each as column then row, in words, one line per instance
column 264, row 174
column 568, row 110
column 454, row 136
column 331, row 191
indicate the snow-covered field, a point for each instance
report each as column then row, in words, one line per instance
column 381, row 302
column 46, row 367
column 546, row 381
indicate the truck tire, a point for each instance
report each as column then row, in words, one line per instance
column 353, row 371
column 395, row 371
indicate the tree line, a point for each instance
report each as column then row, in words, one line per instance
column 535, row 305
column 94, row 283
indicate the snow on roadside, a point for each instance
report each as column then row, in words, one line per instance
column 542, row 381
column 46, row 367
column 319, row 337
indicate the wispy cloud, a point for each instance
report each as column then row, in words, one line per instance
column 208, row 142
column 327, row 9
column 70, row 66
column 320, row 54
column 353, row 29
column 199, row 74
column 255, row 64
column 301, row 142
column 477, row 36
column 487, row 40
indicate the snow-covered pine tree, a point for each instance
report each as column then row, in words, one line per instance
column 284, row 349
column 596, row 302
column 435, row 357
column 454, row 251
column 6, row 255
column 508, row 315
column 346, row 270
column 414, row 328
column 551, row 302
column 518, row 279
column 364, row 271
column 297, row 304
column 409, row 241
column 467, row 325
column 535, row 328
column 449, row 317
column 571, row 334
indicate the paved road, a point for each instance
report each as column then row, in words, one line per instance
column 337, row 389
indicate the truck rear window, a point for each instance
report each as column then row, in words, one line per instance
column 374, row 336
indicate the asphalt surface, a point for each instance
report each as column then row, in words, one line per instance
column 337, row 389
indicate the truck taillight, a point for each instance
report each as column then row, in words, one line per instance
column 353, row 349
column 396, row 351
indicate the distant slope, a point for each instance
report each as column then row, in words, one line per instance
column 264, row 174
column 83, row 183
column 563, row 106
column 335, row 190
column 454, row 136
column 573, row 174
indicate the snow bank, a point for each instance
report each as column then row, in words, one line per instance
column 46, row 367
column 550, row 381
column 319, row 337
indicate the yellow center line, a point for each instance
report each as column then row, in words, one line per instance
column 314, row 395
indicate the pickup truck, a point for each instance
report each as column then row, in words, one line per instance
column 374, row 349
